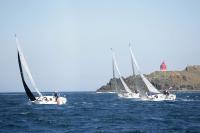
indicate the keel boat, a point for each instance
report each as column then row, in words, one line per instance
column 153, row 93
column 40, row 99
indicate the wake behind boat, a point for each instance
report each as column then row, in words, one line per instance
column 56, row 99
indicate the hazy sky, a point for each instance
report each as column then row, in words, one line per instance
column 67, row 42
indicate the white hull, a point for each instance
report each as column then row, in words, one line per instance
column 50, row 100
column 162, row 97
column 129, row 95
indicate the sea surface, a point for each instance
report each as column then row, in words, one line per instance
column 89, row 112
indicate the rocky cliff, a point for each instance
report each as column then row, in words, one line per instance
column 187, row 79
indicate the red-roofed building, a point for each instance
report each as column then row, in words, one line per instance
column 163, row 66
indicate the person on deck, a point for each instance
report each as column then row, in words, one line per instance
column 56, row 95
column 136, row 91
column 165, row 92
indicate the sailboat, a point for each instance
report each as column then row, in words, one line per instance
column 128, row 93
column 40, row 99
column 153, row 93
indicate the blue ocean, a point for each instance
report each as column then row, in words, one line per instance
column 89, row 112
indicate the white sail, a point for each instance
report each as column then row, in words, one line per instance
column 120, row 77
column 25, row 65
column 132, row 64
column 150, row 87
column 113, row 68
column 134, row 59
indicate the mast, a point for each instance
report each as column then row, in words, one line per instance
column 114, row 80
column 120, row 77
column 28, row 92
column 150, row 87
column 134, row 60
column 113, row 67
column 25, row 65
column 133, row 69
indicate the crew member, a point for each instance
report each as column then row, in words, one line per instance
column 56, row 95
column 165, row 92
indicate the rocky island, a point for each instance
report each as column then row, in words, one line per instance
column 185, row 80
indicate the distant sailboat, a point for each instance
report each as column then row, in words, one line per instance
column 36, row 100
column 154, row 94
column 128, row 92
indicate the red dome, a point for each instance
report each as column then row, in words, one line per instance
column 163, row 66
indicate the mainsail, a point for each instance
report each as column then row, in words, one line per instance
column 25, row 65
column 28, row 92
column 120, row 77
column 150, row 87
column 134, row 59
column 114, row 80
column 113, row 68
column 134, row 71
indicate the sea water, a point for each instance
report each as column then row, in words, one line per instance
column 90, row 112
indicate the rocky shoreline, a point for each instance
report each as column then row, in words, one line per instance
column 185, row 80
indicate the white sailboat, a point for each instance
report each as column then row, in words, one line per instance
column 154, row 94
column 128, row 92
column 40, row 99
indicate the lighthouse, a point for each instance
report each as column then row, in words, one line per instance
column 163, row 67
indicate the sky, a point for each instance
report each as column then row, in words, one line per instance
column 67, row 42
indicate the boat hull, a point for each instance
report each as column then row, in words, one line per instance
column 162, row 97
column 129, row 95
column 50, row 100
